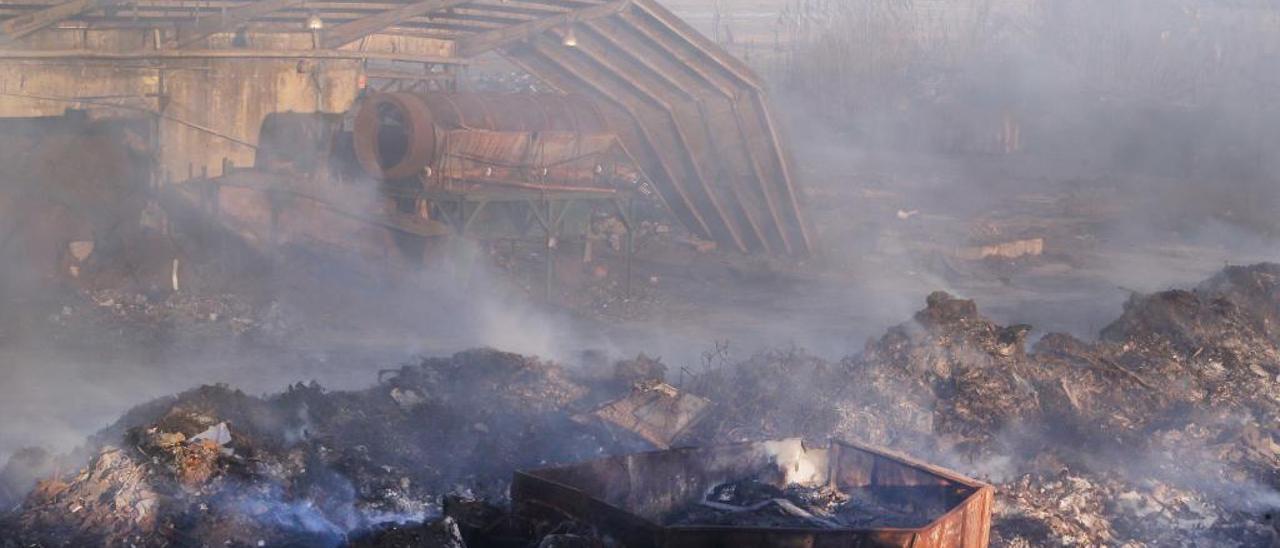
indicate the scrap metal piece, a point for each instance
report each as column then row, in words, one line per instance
column 657, row 412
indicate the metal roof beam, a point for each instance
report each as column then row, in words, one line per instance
column 24, row 25
column 686, row 203
column 347, row 33
column 489, row 41
column 232, row 19
column 149, row 54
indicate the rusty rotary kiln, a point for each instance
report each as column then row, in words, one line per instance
column 402, row 170
column 541, row 141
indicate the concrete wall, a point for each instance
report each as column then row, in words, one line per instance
column 229, row 97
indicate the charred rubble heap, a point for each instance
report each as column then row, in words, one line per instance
column 1161, row 433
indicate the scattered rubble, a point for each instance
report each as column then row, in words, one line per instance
column 308, row 466
column 1161, row 433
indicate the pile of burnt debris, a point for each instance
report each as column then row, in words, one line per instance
column 1161, row 433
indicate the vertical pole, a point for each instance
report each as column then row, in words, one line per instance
column 631, row 239
column 551, row 267
column 461, row 268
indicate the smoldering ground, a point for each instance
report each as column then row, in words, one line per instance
column 1142, row 134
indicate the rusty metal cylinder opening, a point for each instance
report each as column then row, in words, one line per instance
column 396, row 134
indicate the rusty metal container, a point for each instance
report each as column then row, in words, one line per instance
column 397, row 135
column 626, row 496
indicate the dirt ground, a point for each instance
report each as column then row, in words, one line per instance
column 1069, row 245
column 314, row 322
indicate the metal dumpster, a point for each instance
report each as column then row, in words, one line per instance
column 626, row 497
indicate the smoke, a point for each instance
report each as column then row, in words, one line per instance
column 1134, row 138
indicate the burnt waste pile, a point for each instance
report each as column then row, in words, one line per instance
column 1162, row 432
column 215, row 466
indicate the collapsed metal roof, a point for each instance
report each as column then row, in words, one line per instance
column 696, row 118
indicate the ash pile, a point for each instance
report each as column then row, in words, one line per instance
column 307, row 467
column 1163, row 432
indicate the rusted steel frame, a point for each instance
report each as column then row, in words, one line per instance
column 757, row 171
column 565, row 205
column 533, row 9
column 549, row 188
column 706, row 124
column 444, row 21
column 476, row 14
column 682, row 30
column 440, row 28
column 465, row 15
column 687, row 61
column 27, row 24
column 594, row 28
column 544, row 221
column 627, row 152
column 683, row 138
column 645, row 135
column 25, row 19
column 371, row 24
column 451, row 218
column 732, row 66
column 670, row 81
column 737, row 193
column 475, row 214
column 650, row 142
column 232, row 19
column 481, row 43
column 223, row 54
column 784, row 165
column 409, row 76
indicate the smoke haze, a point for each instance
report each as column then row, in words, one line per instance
column 1135, row 140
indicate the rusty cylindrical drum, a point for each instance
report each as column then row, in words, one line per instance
column 395, row 134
